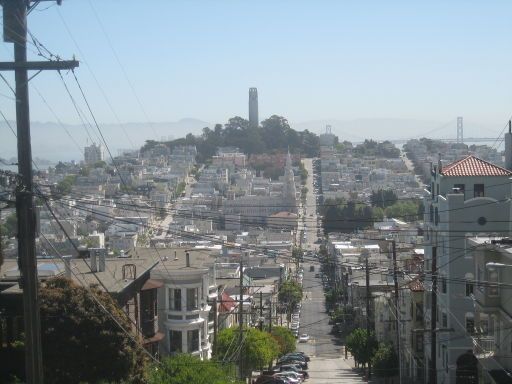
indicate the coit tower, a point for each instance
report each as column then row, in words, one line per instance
column 253, row 107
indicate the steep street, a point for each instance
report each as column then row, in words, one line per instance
column 327, row 363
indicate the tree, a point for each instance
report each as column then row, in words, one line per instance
column 361, row 345
column 186, row 369
column 385, row 361
column 258, row 348
column 333, row 297
column 83, row 342
column 11, row 225
column 290, row 294
column 383, row 198
column 285, row 339
column 64, row 187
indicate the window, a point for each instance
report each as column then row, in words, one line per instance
column 419, row 342
column 436, row 216
column 493, row 283
column 193, row 341
column 469, row 284
column 460, row 187
column 445, row 320
column 478, row 190
column 443, row 285
column 479, row 278
column 192, row 298
column 175, row 299
column 470, row 323
column 175, row 342
column 419, row 312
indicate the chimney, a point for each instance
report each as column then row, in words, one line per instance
column 67, row 266
column 508, row 147
column 94, row 260
column 187, row 256
column 101, row 261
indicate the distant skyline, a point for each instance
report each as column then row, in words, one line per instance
column 310, row 60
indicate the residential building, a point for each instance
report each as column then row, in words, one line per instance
column 185, row 297
column 489, row 286
column 93, row 153
column 468, row 196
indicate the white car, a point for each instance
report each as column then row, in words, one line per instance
column 304, row 338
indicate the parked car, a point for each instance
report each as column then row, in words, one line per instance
column 304, row 338
column 299, row 354
column 300, row 364
column 293, row 368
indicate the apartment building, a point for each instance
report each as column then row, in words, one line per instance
column 469, row 196
column 491, row 322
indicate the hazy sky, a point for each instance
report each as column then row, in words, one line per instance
column 309, row 60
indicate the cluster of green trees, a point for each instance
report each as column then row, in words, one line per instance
column 386, row 203
column 406, row 210
column 258, row 349
column 10, row 226
column 379, row 149
column 383, row 198
column 86, row 339
column 64, row 186
column 303, row 172
column 365, row 349
column 83, row 338
column 274, row 135
column 346, row 216
column 289, row 295
column 180, row 188
column 333, row 296
column 186, row 369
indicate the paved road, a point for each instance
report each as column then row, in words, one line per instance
column 309, row 210
column 327, row 363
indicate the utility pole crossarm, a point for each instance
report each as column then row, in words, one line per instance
column 56, row 65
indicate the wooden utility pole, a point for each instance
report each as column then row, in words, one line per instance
column 270, row 316
column 368, row 326
column 215, row 326
column 15, row 31
column 240, row 314
column 261, row 311
column 433, row 320
column 397, row 311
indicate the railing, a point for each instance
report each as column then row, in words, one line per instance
column 484, row 345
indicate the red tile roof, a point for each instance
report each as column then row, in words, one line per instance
column 227, row 303
column 416, row 286
column 473, row 166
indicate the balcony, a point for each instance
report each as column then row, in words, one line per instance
column 484, row 346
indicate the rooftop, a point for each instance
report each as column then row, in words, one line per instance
column 474, row 166
column 112, row 277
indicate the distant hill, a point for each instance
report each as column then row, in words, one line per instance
column 50, row 140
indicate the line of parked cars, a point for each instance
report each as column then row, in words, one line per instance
column 290, row 369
